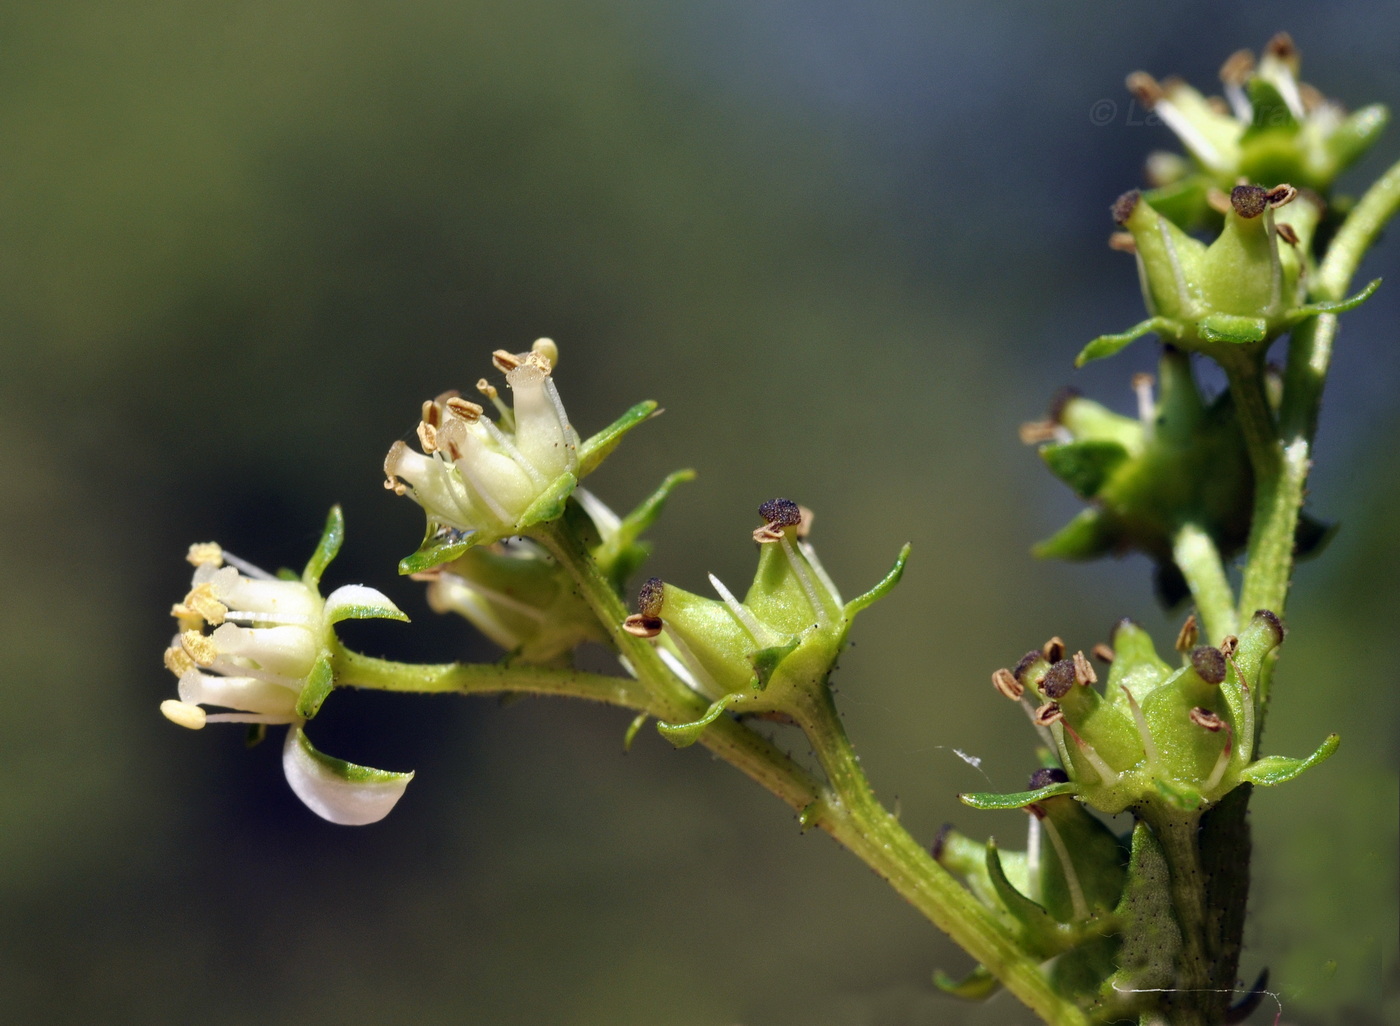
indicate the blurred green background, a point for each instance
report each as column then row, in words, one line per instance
column 848, row 246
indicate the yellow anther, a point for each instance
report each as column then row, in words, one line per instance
column 183, row 714
column 206, row 554
column 177, row 661
column 200, row 647
column 201, row 602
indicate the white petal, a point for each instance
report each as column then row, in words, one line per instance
column 289, row 651
column 357, row 602
column 245, row 694
column 339, row 791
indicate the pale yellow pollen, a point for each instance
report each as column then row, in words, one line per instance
column 205, row 553
column 187, row 617
column 183, row 714
column 1084, row 673
column 177, row 661
column 1122, row 242
column 464, row 410
column 200, row 647
column 202, row 602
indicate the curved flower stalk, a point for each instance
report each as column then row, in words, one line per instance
column 1269, row 127
column 268, row 660
column 772, row 652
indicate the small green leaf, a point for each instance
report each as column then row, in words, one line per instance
column 1019, row 800
column 596, row 449
column 1219, row 327
column 1084, row 466
column 1275, row 769
column 440, row 545
column 1339, row 306
column 883, row 588
column 319, row 684
column 1089, row 535
column 683, row 735
column 551, row 501
column 327, row 548
column 978, row 985
column 1108, row 345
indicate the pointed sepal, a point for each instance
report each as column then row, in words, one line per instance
column 683, row 735
column 977, row 985
column 338, row 791
column 1275, row 769
column 595, row 449
column 332, row 537
column 1016, row 800
column 1109, row 345
column 883, row 588
column 358, row 602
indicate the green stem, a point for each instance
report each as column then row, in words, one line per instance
column 1357, row 234
column 1195, row 1000
column 1199, row 560
column 846, row 807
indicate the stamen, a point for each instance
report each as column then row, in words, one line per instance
column 1103, row 653
column 427, row 437
column 200, row 647
column 1122, row 242
column 205, row 554
column 700, row 678
column 463, row 409
column 1210, row 721
column 1048, row 714
column 1106, row 772
column 1188, row 635
column 800, row 570
column 201, row 602
column 1084, row 673
column 1234, row 73
column 505, row 361
column 183, row 714
column 1149, row 747
column 646, row 622
column 1286, row 233
column 1053, row 650
column 1038, row 432
column 178, row 661
column 761, row 635
column 1008, row 685
column 1076, row 892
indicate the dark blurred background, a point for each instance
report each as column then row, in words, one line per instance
column 848, row 246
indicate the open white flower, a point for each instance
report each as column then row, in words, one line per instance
column 267, row 661
column 483, row 476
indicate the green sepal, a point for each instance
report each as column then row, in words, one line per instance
column 1019, row 800
column 1108, row 345
column 550, row 503
column 1232, row 329
column 350, row 772
column 594, row 450
column 283, row 574
column 766, row 660
column 1089, row 535
column 257, row 733
column 620, row 555
column 977, row 985
column 683, row 735
column 1042, row 935
column 319, row 684
column 632, row 730
column 332, row 537
column 1151, row 934
column 440, row 545
column 1275, row 769
column 1084, row 466
column 1302, row 313
column 1183, row 202
column 1271, row 113
column 883, row 588
column 366, row 613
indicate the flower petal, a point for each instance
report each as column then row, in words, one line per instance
column 357, row 602
column 339, row 791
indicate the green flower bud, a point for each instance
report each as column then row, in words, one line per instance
column 770, row 652
column 1180, row 738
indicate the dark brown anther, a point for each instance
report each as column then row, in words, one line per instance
column 1122, row 242
column 1058, row 679
column 646, row 622
column 1038, row 432
column 783, row 512
column 1237, row 68
column 1063, row 396
column 1249, row 201
column 1282, row 48
column 1125, row 204
column 1146, row 89
column 1205, row 718
column 1228, row 645
column 1047, row 777
column 1286, row 233
column 1006, row 683
column 939, row 840
column 1103, row 653
column 1028, row 660
column 1209, row 663
column 1273, row 621
column 1084, row 674
column 1280, row 195
column 1189, row 634
column 1053, row 650
column 1047, row 714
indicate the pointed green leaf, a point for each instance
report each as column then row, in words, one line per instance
column 1084, row 466
column 327, row 548
column 1018, row 800
column 683, row 735
column 622, row 554
column 1339, row 306
column 1043, row 933
column 1219, row 327
column 1089, row 535
column 440, row 545
column 319, row 684
column 1275, row 769
column 883, row 588
column 551, row 501
column 978, row 985
column 595, row 449
column 1108, row 345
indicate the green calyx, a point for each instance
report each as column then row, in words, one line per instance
column 771, row 652
column 1174, row 739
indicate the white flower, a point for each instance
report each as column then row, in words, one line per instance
column 477, row 475
column 267, row 662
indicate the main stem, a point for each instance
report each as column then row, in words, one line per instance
column 845, row 807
